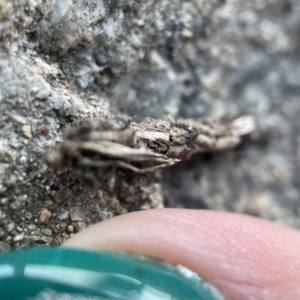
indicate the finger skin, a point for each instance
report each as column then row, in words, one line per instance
column 244, row 257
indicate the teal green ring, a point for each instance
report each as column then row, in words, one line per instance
column 27, row 274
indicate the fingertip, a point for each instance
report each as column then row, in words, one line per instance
column 243, row 256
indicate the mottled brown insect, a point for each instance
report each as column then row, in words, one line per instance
column 143, row 147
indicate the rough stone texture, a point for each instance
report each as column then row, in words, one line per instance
column 62, row 61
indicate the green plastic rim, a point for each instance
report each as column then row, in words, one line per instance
column 59, row 273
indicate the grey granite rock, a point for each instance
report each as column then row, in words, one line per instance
column 63, row 61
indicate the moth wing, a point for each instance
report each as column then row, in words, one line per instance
column 119, row 151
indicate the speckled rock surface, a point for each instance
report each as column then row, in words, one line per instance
column 63, row 61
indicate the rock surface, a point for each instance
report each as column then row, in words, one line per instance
column 63, row 61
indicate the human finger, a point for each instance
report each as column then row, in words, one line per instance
column 244, row 257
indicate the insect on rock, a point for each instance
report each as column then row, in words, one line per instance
column 144, row 147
